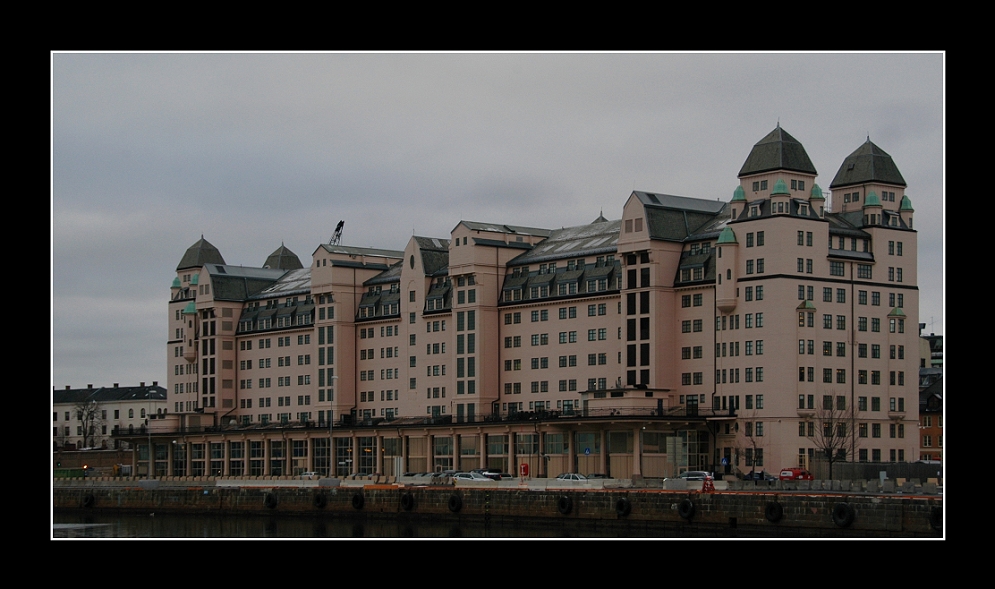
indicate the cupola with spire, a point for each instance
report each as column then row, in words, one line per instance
column 283, row 259
column 778, row 156
column 868, row 169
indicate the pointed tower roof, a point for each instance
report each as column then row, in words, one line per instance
column 739, row 194
column 283, row 259
column 869, row 163
column 199, row 254
column 777, row 151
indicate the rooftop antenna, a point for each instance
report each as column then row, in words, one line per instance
column 337, row 236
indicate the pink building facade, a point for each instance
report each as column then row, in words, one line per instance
column 651, row 344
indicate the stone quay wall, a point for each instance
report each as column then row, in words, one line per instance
column 819, row 514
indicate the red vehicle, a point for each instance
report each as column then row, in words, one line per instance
column 796, row 474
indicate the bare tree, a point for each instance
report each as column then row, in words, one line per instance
column 833, row 430
column 89, row 416
column 753, row 430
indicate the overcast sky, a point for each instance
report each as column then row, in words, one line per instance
column 149, row 151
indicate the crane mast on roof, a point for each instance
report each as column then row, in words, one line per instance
column 337, row 236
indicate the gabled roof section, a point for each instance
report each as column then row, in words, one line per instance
column 684, row 203
column 361, row 251
column 108, row 394
column 434, row 255
column 283, row 259
column 199, row 254
column 238, row 283
column 777, row 151
column 392, row 274
column 599, row 237
column 674, row 218
column 498, row 228
column 869, row 163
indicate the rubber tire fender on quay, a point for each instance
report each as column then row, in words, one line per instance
column 320, row 500
column 88, row 500
column 843, row 515
column 773, row 512
column 685, row 508
column 455, row 503
column 623, row 507
column 269, row 500
column 358, row 501
column 407, row 501
column 564, row 505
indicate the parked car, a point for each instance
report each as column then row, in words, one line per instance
column 795, row 474
column 598, row 475
column 571, row 476
column 695, row 475
column 309, row 475
column 469, row 476
column 759, row 476
column 491, row 473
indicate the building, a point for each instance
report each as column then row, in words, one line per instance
column 643, row 346
column 930, row 350
column 931, row 421
column 90, row 417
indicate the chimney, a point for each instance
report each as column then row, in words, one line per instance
column 89, row 386
column 141, row 384
column 68, row 387
column 115, row 385
column 155, row 383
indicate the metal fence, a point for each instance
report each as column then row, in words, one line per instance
column 873, row 470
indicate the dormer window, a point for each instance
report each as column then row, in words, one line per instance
column 754, row 211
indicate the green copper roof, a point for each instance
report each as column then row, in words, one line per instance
column 738, row 194
column 780, row 188
column 896, row 312
column 816, row 193
column 176, row 282
column 195, row 279
column 190, row 309
column 906, row 204
column 806, row 306
column 872, row 200
column 727, row 236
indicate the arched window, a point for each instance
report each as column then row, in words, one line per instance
column 131, row 413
